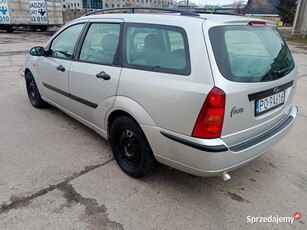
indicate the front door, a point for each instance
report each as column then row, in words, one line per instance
column 54, row 68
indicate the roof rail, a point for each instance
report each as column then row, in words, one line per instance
column 131, row 10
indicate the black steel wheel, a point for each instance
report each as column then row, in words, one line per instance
column 33, row 92
column 130, row 147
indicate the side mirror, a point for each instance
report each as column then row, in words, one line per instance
column 38, row 51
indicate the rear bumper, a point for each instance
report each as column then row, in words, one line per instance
column 210, row 157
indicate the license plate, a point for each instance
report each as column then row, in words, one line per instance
column 268, row 103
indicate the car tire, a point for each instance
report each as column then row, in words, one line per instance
column 130, row 147
column 33, row 92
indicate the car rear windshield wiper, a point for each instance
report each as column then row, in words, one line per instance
column 275, row 74
column 281, row 71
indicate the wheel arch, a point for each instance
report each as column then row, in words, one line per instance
column 115, row 114
column 27, row 70
column 31, row 66
column 125, row 106
column 33, row 72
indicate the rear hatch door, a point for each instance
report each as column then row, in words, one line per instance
column 252, row 64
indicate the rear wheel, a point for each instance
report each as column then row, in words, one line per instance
column 33, row 93
column 130, row 147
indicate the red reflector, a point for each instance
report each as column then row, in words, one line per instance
column 210, row 119
column 257, row 24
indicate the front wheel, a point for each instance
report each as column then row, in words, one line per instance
column 33, row 93
column 130, row 147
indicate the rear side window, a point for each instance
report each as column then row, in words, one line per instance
column 156, row 48
column 101, row 44
column 250, row 54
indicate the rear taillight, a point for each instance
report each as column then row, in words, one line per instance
column 210, row 119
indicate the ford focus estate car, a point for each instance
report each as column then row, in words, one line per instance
column 201, row 93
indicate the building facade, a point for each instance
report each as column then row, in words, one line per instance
column 72, row 4
column 185, row 5
column 87, row 5
column 92, row 4
column 102, row 4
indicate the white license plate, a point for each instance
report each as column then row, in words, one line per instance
column 268, row 103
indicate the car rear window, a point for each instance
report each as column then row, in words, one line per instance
column 250, row 54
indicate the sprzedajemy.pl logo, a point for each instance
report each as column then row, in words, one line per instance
column 273, row 219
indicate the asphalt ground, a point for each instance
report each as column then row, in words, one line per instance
column 55, row 173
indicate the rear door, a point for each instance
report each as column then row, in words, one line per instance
column 253, row 66
column 94, row 76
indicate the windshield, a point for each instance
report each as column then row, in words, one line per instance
column 250, row 54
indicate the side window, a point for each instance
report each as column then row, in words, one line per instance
column 157, row 48
column 101, row 44
column 63, row 45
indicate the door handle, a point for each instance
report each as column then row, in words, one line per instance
column 103, row 75
column 60, row 68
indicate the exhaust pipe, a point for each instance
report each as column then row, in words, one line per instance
column 226, row 176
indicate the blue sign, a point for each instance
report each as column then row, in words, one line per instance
column 4, row 12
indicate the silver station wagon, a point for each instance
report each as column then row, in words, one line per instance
column 202, row 93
